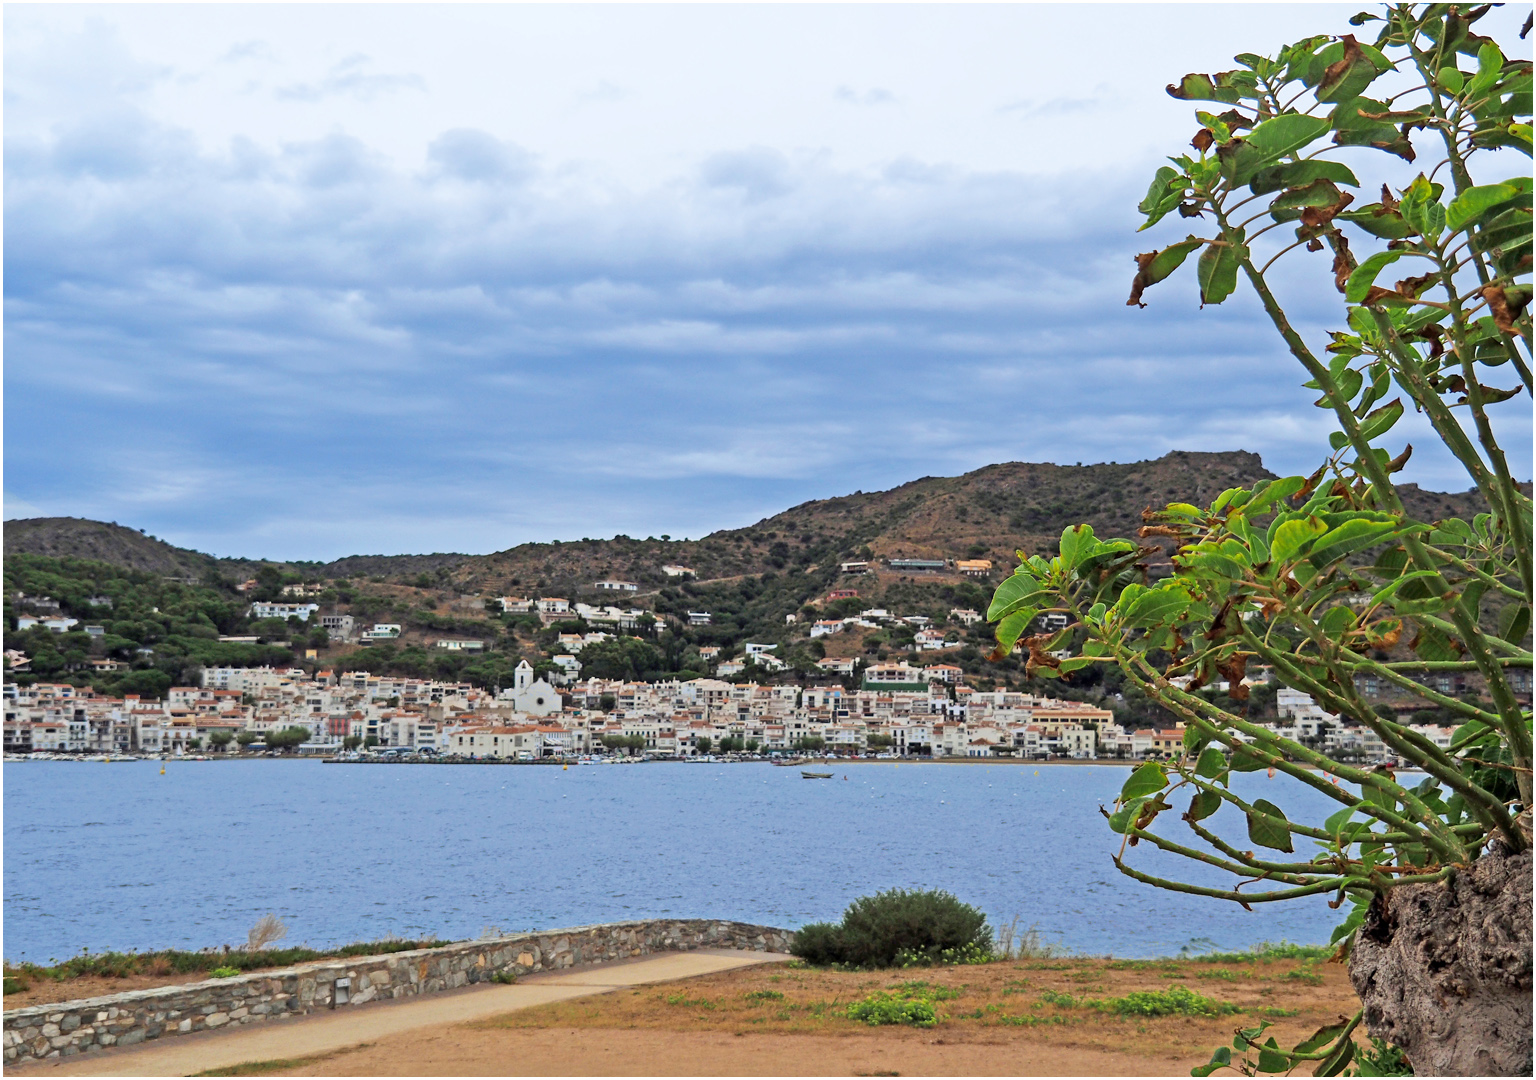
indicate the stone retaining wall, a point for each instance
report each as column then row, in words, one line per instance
column 74, row 1027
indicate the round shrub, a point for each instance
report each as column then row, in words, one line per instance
column 899, row 927
column 819, row 944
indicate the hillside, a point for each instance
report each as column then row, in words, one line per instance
column 988, row 513
column 108, row 542
column 171, row 607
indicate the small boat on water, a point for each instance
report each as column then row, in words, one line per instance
column 815, row 775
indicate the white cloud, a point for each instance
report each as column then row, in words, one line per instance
column 319, row 324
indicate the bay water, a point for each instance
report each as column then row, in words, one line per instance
column 103, row 856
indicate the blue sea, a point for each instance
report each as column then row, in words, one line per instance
column 116, row 856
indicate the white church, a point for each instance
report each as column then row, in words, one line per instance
column 535, row 697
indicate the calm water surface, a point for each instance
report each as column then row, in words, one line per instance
column 116, row 856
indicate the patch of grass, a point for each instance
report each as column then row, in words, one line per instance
column 926, row 991
column 1031, row 1020
column 685, row 1001
column 121, row 965
column 1271, row 1011
column 1265, row 952
column 1225, row 974
column 883, row 1008
column 1305, row 975
column 1174, row 1001
column 223, row 973
column 506, row 978
column 763, row 995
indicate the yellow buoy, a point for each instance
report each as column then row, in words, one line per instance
column 565, row 768
column 162, row 770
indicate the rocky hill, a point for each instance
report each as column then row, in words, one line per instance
column 988, row 513
column 108, row 542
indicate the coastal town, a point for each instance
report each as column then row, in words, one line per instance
column 835, row 677
column 238, row 709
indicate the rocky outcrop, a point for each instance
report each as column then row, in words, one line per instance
column 1444, row 970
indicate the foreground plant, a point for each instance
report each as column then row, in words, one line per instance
column 899, row 928
column 1326, row 580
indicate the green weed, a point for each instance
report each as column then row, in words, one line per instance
column 883, row 1008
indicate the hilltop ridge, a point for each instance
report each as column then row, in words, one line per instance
column 987, row 513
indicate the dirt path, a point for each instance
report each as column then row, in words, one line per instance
column 467, row 1051
column 1043, row 1018
column 320, row 1036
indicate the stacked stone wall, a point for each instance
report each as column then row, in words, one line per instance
column 73, row 1027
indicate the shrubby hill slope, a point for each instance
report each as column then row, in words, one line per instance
column 988, row 513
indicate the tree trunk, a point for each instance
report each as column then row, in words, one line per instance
column 1444, row 970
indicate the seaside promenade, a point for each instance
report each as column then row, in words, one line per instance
column 308, row 1037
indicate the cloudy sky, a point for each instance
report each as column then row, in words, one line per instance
column 304, row 281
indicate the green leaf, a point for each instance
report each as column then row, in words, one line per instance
column 1348, row 76
column 1421, row 207
column 1382, row 595
column 1364, row 275
column 1146, row 780
column 1275, row 491
column 1378, row 221
column 1379, row 420
column 1153, row 607
column 1077, row 543
column 1300, row 174
column 1452, row 80
column 1168, row 260
column 1162, row 183
column 1197, row 87
column 1336, row 1062
column 1321, row 1037
column 1203, row 805
column 1474, row 202
column 1292, row 536
column 1351, row 128
column 1273, row 1061
column 1336, row 822
column 1514, row 622
column 1348, row 538
column 1012, row 628
column 1267, row 826
column 1221, row 1059
column 1490, row 65
column 1286, row 134
column 1433, row 645
column 1336, row 620
column 1217, row 271
column 1212, row 763
column 1018, row 590
column 1243, row 760
column 1122, row 819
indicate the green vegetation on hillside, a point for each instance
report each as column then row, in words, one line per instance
column 164, row 630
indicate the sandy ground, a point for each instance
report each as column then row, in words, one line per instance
column 666, row 1016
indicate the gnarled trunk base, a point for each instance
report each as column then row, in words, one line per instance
column 1444, row 970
